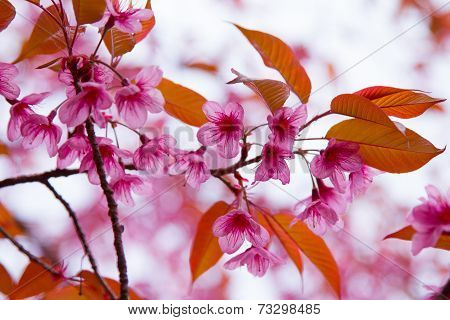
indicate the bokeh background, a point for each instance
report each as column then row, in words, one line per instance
column 344, row 46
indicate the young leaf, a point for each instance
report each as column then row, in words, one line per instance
column 7, row 14
column 147, row 25
column 118, row 43
column 407, row 233
column 312, row 246
column 400, row 103
column 8, row 223
column 278, row 55
column 46, row 37
column 205, row 251
column 274, row 93
column 6, row 282
column 88, row 11
column 183, row 103
column 384, row 147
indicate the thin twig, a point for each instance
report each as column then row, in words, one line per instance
column 326, row 113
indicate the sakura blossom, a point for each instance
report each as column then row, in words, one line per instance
column 236, row 226
column 135, row 100
column 359, row 181
column 430, row 219
column 126, row 18
column 124, row 185
column 286, row 122
column 8, row 88
column 193, row 165
column 75, row 148
column 338, row 201
column 154, row 154
column 224, row 129
column 273, row 164
column 258, row 260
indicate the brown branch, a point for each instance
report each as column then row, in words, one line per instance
column 41, row 177
column 234, row 167
column 112, row 211
column 82, row 238
column 326, row 113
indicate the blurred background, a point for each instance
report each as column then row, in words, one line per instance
column 344, row 46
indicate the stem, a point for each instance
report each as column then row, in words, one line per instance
column 326, row 113
column 228, row 185
column 233, row 168
column 105, row 29
column 112, row 212
column 74, row 37
column 82, row 238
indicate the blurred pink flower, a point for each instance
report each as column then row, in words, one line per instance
column 110, row 155
column 123, row 185
column 334, row 160
column 74, row 148
column 20, row 111
column 360, row 180
column 258, row 261
column 135, row 100
column 273, row 164
column 38, row 129
column 286, row 122
column 336, row 200
column 236, row 226
column 126, row 18
column 224, row 128
column 192, row 164
column 154, row 154
column 8, row 88
column 430, row 219
column 93, row 98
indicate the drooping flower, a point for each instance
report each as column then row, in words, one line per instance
column 338, row 201
column 135, row 100
column 236, row 226
column 126, row 18
column 334, row 160
column 93, row 98
column 224, row 129
column 8, row 88
column 430, row 219
column 317, row 214
column 38, row 129
column 360, row 180
column 273, row 164
column 258, row 261
column 20, row 111
column 74, row 148
column 193, row 165
column 286, row 122
column 154, row 154
column 110, row 155
column 123, row 185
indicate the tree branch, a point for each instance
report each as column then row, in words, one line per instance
column 234, row 167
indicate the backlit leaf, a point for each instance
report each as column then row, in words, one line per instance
column 183, row 103
column 407, row 233
column 147, row 25
column 88, row 11
column 385, row 147
column 274, row 93
column 118, row 43
column 7, row 14
column 8, row 223
column 278, row 55
column 4, row 149
column 6, row 282
column 205, row 251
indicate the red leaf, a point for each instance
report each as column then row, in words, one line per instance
column 7, row 14
column 407, row 233
column 6, row 282
column 8, row 223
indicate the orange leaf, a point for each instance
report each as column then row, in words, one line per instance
column 278, row 55
column 34, row 280
column 118, row 43
column 7, row 14
column 4, row 149
column 183, row 103
column 66, row 293
column 6, row 282
column 8, row 223
column 205, row 251
column 88, row 11
column 385, row 147
column 312, row 246
column 400, row 103
column 274, row 93
column 147, row 25
column 207, row 67
column 407, row 233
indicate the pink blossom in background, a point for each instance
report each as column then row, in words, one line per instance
column 126, row 18
column 359, row 181
column 193, row 165
column 273, row 164
column 224, row 129
column 236, row 226
column 430, row 219
column 123, row 185
column 8, row 88
column 286, row 122
column 258, row 261
column 338, row 201
column 154, row 154
column 39, row 129
column 74, row 148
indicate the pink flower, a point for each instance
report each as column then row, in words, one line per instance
column 430, row 219
column 285, row 124
column 123, row 185
column 154, row 154
column 317, row 214
column 273, row 164
column 336, row 200
column 236, row 226
column 135, row 100
column 258, row 261
column 126, row 18
column 224, row 129
column 20, row 111
column 360, row 180
column 110, row 155
column 93, row 98
column 337, row 158
column 74, row 148
column 192, row 164
column 8, row 88
column 38, row 129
